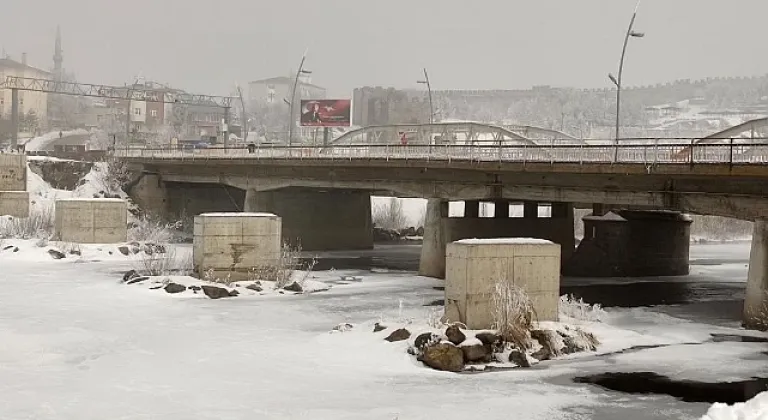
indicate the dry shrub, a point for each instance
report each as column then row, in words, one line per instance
column 280, row 272
column 390, row 215
column 166, row 263
column 513, row 313
column 580, row 310
column 39, row 224
column 148, row 229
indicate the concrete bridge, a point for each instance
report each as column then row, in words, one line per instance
column 323, row 193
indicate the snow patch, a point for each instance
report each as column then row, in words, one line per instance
column 754, row 409
column 505, row 241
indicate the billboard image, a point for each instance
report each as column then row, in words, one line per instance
column 326, row 112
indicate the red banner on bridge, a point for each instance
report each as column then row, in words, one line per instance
column 326, row 112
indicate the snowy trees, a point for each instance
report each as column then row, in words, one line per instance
column 389, row 215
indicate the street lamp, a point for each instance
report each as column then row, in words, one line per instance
column 429, row 89
column 617, row 80
column 293, row 97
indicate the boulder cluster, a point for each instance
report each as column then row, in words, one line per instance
column 455, row 349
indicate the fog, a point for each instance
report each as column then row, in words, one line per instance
column 207, row 46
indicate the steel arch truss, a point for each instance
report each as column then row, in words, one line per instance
column 462, row 133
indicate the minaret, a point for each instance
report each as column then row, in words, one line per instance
column 58, row 58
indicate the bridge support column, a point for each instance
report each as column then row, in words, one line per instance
column 151, row 195
column 332, row 220
column 756, row 302
column 472, row 209
column 531, row 210
column 558, row 229
column 432, row 263
column 633, row 244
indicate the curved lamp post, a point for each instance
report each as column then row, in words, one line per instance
column 631, row 33
column 290, row 103
column 429, row 90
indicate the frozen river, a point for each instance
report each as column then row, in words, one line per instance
column 74, row 344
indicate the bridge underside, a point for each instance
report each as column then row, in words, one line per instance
column 700, row 190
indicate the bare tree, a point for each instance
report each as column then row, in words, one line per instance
column 390, row 215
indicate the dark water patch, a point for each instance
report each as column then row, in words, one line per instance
column 733, row 338
column 685, row 390
column 652, row 293
column 436, row 302
column 441, row 288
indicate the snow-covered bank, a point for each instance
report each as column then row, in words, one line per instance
column 754, row 409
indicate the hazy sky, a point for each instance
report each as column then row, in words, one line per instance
column 208, row 46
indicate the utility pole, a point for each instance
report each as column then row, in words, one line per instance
column 244, row 117
column 14, row 118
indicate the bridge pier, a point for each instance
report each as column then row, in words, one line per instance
column 756, row 302
column 318, row 220
column 150, row 194
column 633, row 244
column 440, row 230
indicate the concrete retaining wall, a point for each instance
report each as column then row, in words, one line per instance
column 94, row 221
column 474, row 266
column 233, row 243
column 14, row 203
column 13, row 172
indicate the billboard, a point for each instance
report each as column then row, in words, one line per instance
column 326, row 112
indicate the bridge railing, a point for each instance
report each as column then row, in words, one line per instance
column 659, row 153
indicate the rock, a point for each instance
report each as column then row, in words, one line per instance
column 137, row 280
column 255, row 287
column 519, row 358
column 455, row 335
column 378, row 327
column 550, row 340
column 542, row 354
column 580, row 341
column 7, row 247
column 149, row 249
column 443, row 356
column 420, row 231
column 425, row 340
column 294, row 287
column 56, row 255
column 399, row 335
column 15, row 249
column 233, row 293
column 195, row 289
column 214, row 292
column 343, row 327
column 174, row 288
column 492, row 341
column 135, row 249
column 476, row 353
column 130, row 275
column 76, row 252
column 124, row 250
column 156, row 287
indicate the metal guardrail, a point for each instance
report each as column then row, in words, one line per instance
column 649, row 154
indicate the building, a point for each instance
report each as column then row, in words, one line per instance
column 275, row 90
column 380, row 106
column 29, row 101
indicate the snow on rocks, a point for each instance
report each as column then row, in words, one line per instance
column 480, row 350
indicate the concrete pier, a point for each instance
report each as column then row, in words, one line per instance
column 14, row 203
column 318, row 220
column 231, row 244
column 432, row 263
column 439, row 233
column 91, row 221
column 475, row 266
column 756, row 302
column 633, row 244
